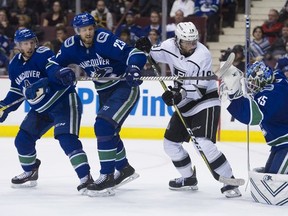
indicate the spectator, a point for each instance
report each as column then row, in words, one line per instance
column 61, row 36
column 170, row 28
column 211, row 10
column 239, row 57
column 146, row 7
column 154, row 24
column 135, row 30
column 228, row 11
column 5, row 27
column 272, row 27
column 259, row 45
column 117, row 8
column 22, row 9
column 154, row 37
column 279, row 47
column 125, row 37
column 6, row 4
column 56, row 16
column 5, row 48
column 102, row 16
column 283, row 15
column 187, row 6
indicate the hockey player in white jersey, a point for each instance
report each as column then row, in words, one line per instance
column 199, row 104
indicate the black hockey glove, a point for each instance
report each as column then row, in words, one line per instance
column 37, row 89
column 133, row 76
column 143, row 44
column 3, row 113
column 172, row 97
column 66, row 76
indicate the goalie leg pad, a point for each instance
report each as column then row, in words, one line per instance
column 269, row 188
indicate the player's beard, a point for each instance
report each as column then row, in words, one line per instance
column 187, row 53
column 27, row 55
column 88, row 41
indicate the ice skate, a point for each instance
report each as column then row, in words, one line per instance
column 27, row 179
column 127, row 174
column 103, row 186
column 82, row 188
column 231, row 191
column 189, row 183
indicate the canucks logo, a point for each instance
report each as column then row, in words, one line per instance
column 101, row 72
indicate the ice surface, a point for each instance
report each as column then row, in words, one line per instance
column 56, row 192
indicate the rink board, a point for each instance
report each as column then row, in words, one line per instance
column 147, row 120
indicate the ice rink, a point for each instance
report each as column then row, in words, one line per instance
column 56, row 192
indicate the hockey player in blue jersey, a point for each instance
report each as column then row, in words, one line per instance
column 101, row 54
column 263, row 102
column 269, row 90
column 53, row 102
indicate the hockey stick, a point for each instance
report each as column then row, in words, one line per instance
column 12, row 104
column 222, row 179
column 148, row 78
column 247, row 60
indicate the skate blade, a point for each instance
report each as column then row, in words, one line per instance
column 127, row 180
column 28, row 184
column 232, row 181
column 232, row 193
column 103, row 193
column 185, row 188
column 83, row 191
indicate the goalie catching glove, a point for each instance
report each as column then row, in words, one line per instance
column 232, row 79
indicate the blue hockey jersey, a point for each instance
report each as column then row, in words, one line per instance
column 24, row 73
column 107, row 57
column 268, row 108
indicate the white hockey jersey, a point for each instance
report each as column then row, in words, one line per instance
column 201, row 94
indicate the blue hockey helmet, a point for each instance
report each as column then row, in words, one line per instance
column 23, row 35
column 82, row 20
column 258, row 76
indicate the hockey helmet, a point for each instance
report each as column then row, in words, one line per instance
column 23, row 35
column 82, row 20
column 258, row 76
column 186, row 32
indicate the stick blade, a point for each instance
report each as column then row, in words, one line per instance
column 227, row 64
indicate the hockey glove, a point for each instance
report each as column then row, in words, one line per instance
column 143, row 44
column 37, row 89
column 172, row 97
column 3, row 113
column 133, row 76
column 66, row 76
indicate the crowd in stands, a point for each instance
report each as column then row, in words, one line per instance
column 128, row 19
column 269, row 41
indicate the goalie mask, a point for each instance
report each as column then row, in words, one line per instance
column 186, row 37
column 258, row 76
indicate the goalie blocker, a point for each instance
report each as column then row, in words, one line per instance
column 268, row 188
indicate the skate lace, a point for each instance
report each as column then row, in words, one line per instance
column 180, row 180
column 101, row 178
column 117, row 174
column 23, row 175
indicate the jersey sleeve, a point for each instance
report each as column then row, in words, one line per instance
column 14, row 92
column 246, row 110
column 158, row 54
